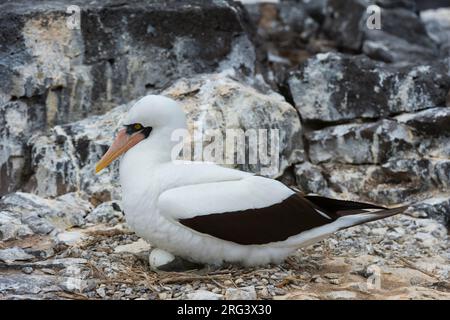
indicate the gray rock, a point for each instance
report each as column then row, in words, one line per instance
column 18, row 120
column 53, row 74
column 42, row 216
column 18, row 284
column 138, row 247
column 73, row 284
column 361, row 144
column 216, row 102
column 69, row 237
column 11, row 227
column 243, row 293
column 101, row 292
column 310, row 178
column 64, row 160
column 344, row 22
column 27, row 270
column 393, row 182
column 203, row 295
column 342, row 295
column 401, row 43
column 437, row 23
column 433, row 122
column 437, row 208
column 432, row 126
column 287, row 33
column 106, row 212
column 335, row 87
column 406, row 42
column 286, row 26
column 13, row 254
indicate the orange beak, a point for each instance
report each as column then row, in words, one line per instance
column 121, row 145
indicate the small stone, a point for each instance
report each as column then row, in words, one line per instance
column 203, row 295
column 335, row 281
column 244, row 293
column 106, row 212
column 70, row 237
column 14, row 254
column 426, row 239
column 378, row 231
column 128, row 291
column 134, row 247
column 332, row 275
column 341, row 295
column 27, row 270
column 101, row 292
column 48, row 271
column 317, row 279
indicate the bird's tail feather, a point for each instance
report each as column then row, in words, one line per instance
column 340, row 208
column 355, row 218
column 352, row 212
column 346, row 220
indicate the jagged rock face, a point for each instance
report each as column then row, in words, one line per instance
column 64, row 160
column 287, row 33
column 399, row 153
column 361, row 144
column 24, row 214
column 104, row 63
column 397, row 160
column 53, row 74
column 58, row 242
column 437, row 23
column 334, row 87
column 217, row 103
column 18, row 120
column 405, row 42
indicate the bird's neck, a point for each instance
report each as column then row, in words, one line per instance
column 139, row 175
column 151, row 152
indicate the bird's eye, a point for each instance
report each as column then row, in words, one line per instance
column 137, row 126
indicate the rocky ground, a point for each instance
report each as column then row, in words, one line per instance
column 363, row 114
column 90, row 254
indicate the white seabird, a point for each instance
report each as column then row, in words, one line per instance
column 210, row 214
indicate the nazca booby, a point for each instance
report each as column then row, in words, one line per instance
column 211, row 214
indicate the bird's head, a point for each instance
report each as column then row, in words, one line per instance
column 151, row 113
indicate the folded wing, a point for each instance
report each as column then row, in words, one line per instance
column 253, row 210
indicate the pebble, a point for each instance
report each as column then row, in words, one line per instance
column 335, row 281
column 128, row 291
column 101, row 292
column 332, row 275
column 203, row 295
column 243, row 293
column 134, row 247
column 70, row 237
column 13, row 254
column 317, row 279
column 348, row 253
column 341, row 295
column 27, row 270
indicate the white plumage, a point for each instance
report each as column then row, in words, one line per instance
column 159, row 194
